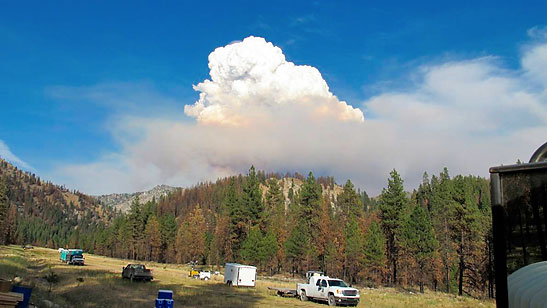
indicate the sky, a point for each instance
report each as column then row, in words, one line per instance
column 114, row 96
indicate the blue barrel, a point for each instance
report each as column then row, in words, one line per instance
column 26, row 295
column 168, row 303
column 160, row 303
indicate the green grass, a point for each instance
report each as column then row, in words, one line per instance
column 99, row 284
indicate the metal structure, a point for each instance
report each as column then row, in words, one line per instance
column 519, row 218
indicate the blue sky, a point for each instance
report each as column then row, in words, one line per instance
column 71, row 72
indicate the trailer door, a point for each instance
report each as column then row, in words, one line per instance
column 246, row 277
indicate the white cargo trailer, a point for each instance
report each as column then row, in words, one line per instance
column 239, row 275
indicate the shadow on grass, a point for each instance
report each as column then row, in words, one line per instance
column 105, row 289
column 219, row 295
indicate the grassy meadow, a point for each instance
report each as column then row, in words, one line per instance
column 99, row 284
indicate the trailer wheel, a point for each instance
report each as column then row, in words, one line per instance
column 229, row 283
column 303, row 296
column 332, row 301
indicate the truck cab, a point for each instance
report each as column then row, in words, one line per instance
column 324, row 288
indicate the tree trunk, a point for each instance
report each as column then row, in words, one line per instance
column 394, row 271
column 446, row 266
column 462, row 268
column 447, row 277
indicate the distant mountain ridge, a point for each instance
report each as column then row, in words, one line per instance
column 42, row 213
column 122, row 201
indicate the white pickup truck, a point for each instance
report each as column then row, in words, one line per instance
column 324, row 288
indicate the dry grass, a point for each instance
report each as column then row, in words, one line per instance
column 99, row 284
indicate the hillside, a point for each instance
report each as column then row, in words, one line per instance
column 122, row 201
column 41, row 212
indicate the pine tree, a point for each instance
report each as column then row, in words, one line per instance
column 310, row 204
column 252, row 200
column 238, row 221
column 325, row 234
column 374, row 248
column 153, row 237
column 309, row 214
column 467, row 228
column 297, row 247
column 423, row 194
column 182, row 242
column 442, row 210
column 418, row 240
column 393, row 205
column 192, row 242
column 168, row 232
column 222, row 243
column 349, row 202
column 275, row 206
column 136, row 224
column 274, row 201
column 250, row 249
column 353, row 252
column 268, row 250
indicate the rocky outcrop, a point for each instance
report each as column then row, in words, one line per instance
column 122, row 202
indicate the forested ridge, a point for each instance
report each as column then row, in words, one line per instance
column 40, row 212
column 437, row 236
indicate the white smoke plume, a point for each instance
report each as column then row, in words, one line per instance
column 251, row 82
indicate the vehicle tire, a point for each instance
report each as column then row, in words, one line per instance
column 303, row 296
column 206, row 278
column 332, row 301
column 229, row 283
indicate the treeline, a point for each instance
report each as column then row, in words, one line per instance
column 437, row 237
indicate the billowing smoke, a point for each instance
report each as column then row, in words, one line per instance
column 258, row 108
column 251, row 82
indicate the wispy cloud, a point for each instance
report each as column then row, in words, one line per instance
column 6, row 154
column 538, row 32
column 304, row 19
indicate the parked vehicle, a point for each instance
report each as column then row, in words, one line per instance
column 205, row 275
column 239, row 275
column 324, row 288
column 194, row 273
column 72, row 256
column 137, row 272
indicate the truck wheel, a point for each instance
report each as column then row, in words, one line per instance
column 303, row 296
column 332, row 301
